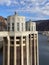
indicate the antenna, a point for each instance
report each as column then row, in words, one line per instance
column 15, row 13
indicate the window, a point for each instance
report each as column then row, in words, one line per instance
column 29, row 26
column 17, row 26
column 12, row 26
column 22, row 26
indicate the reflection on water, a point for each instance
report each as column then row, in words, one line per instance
column 43, row 51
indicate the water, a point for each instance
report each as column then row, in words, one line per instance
column 43, row 51
column 1, row 58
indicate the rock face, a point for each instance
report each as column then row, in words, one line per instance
column 43, row 25
column 3, row 27
column 3, row 24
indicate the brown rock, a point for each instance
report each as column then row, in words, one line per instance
column 2, row 23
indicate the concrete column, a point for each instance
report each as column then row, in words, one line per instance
column 3, row 52
column 30, row 50
column 8, row 61
column 27, row 49
column 22, row 50
column 37, row 51
column 10, row 26
column 34, row 51
column 15, row 50
column 24, row 26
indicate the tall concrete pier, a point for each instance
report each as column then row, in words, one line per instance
column 20, row 45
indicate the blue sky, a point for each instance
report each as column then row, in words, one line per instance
column 31, row 9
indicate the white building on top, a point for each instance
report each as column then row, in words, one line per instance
column 16, row 23
column 30, row 26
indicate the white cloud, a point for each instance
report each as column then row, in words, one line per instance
column 41, row 1
column 7, row 2
column 29, row 5
column 14, row 2
column 45, row 9
column 22, row 2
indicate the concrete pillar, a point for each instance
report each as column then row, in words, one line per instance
column 3, row 52
column 30, row 50
column 15, row 50
column 24, row 26
column 22, row 50
column 10, row 26
column 37, row 51
column 27, row 49
column 15, row 26
column 8, row 61
column 34, row 51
